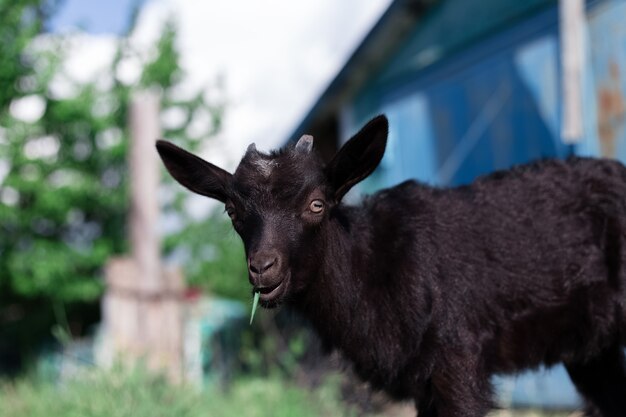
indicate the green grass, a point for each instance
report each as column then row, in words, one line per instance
column 119, row 393
column 135, row 394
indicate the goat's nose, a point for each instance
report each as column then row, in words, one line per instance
column 259, row 265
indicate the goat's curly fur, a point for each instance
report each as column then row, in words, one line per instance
column 441, row 288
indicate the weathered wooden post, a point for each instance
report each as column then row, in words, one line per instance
column 142, row 310
column 144, row 183
column 572, row 26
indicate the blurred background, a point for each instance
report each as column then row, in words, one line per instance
column 123, row 295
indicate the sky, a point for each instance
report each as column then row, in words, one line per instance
column 97, row 17
column 275, row 57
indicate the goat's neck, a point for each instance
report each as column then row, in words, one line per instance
column 370, row 262
column 337, row 301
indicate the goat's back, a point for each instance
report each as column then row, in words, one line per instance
column 530, row 254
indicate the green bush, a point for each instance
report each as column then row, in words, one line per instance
column 136, row 394
column 63, row 175
column 213, row 257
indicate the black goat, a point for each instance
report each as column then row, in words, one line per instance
column 431, row 291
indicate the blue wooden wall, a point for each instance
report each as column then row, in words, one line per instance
column 463, row 107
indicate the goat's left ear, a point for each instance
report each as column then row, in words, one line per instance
column 358, row 157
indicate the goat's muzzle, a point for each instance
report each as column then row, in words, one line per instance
column 266, row 274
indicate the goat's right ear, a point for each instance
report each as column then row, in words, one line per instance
column 193, row 172
column 359, row 157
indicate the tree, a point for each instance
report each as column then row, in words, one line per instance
column 63, row 198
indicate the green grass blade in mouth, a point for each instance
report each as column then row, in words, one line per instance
column 255, row 303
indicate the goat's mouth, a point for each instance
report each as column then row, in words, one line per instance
column 270, row 295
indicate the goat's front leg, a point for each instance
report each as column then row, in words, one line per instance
column 460, row 389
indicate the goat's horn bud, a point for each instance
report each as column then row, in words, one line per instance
column 251, row 148
column 305, row 144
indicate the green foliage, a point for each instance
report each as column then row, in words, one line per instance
column 68, row 207
column 163, row 71
column 63, row 177
column 275, row 344
column 137, row 394
column 18, row 25
column 213, row 257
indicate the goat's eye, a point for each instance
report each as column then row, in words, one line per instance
column 316, row 206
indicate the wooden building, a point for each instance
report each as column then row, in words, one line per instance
column 471, row 86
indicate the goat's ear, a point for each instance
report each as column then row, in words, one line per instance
column 193, row 172
column 358, row 157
